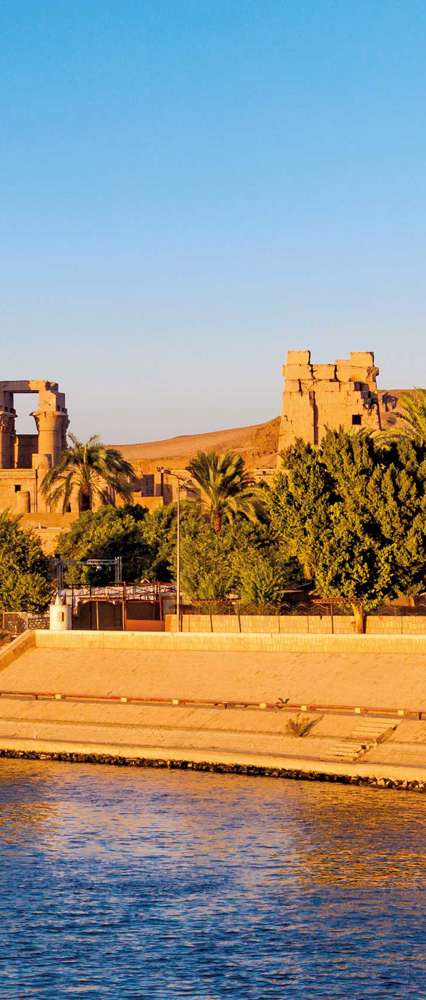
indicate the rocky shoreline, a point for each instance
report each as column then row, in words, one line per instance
column 250, row 770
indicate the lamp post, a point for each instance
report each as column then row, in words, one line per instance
column 180, row 482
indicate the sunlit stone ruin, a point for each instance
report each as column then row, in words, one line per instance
column 342, row 395
column 25, row 458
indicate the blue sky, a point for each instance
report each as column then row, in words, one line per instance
column 191, row 187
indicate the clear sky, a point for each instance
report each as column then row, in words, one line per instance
column 191, row 187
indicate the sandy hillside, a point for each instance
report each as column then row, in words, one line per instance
column 257, row 443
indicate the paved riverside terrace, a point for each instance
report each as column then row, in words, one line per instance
column 220, row 699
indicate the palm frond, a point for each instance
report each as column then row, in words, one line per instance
column 88, row 469
column 412, row 418
column 227, row 489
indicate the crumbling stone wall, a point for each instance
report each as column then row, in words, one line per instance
column 343, row 395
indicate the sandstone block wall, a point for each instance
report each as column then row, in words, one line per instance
column 317, row 397
column 298, row 624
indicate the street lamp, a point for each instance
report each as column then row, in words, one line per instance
column 180, row 482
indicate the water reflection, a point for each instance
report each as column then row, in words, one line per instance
column 167, row 885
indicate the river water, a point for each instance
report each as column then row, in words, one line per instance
column 161, row 885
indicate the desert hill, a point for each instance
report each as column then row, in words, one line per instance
column 257, row 444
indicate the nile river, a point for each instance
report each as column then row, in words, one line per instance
column 160, row 885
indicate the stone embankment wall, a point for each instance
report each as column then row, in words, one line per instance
column 221, row 702
column 299, row 624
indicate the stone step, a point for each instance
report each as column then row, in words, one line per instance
column 343, row 751
column 372, row 730
column 372, row 725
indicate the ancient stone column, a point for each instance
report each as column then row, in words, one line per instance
column 23, row 502
column 51, row 418
column 51, row 425
column 7, row 438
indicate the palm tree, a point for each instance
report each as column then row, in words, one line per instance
column 88, row 471
column 226, row 487
column 412, row 422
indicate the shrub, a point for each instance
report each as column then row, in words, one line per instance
column 301, row 725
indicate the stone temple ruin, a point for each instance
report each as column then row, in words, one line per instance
column 330, row 396
column 25, row 458
column 343, row 394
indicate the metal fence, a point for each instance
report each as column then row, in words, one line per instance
column 297, row 604
column 16, row 622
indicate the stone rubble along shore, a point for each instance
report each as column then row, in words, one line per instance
column 250, row 770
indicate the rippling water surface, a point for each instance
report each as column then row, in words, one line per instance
column 145, row 883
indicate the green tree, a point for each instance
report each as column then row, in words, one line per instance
column 242, row 560
column 227, row 489
column 159, row 532
column 262, row 577
column 105, row 534
column 206, row 566
column 299, row 501
column 90, row 472
column 24, row 571
column 353, row 512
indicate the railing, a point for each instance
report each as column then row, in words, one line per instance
column 144, row 591
column 275, row 706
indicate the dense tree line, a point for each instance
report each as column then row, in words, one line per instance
column 353, row 513
column 243, row 559
column 348, row 517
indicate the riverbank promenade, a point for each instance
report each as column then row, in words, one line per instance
column 350, row 708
